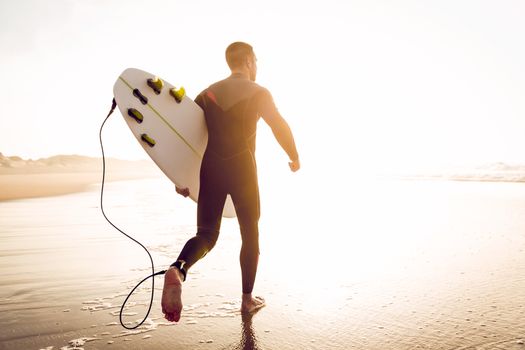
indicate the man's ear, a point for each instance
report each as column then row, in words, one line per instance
column 248, row 62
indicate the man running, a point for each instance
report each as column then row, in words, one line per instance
column 232, row 108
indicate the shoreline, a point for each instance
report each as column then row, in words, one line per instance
column 16, row 185
column 35, row 185
column 419, row 265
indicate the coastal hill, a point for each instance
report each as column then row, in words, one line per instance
column 63, row 174
column 12, row 165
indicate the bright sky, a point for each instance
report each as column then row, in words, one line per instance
column 374, row 84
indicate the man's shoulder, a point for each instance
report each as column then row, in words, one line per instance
column 231, row 90
column 241, row 83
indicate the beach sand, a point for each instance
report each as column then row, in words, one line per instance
column 58, row 175
column 397, row 265
column 53, row 184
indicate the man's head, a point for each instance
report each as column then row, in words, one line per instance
column 241, row 59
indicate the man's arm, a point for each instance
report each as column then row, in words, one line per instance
column 280, row 128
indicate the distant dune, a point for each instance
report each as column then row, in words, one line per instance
column 73, row 164
column 62, row 174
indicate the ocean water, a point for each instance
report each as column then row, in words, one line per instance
column 377, row 264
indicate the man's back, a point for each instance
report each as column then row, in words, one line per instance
column 232, row 108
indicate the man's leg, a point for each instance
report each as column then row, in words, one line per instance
column 209, row 213
column 246, row 200
column 249, row 255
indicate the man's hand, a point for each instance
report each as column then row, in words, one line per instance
column 183, row 191
column 294, row 165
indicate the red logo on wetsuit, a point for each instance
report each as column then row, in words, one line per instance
column 211, row 96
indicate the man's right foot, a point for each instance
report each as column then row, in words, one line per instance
column 172, row 294
column 251, row 304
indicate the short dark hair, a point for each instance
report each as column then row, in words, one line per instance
column 237, row 52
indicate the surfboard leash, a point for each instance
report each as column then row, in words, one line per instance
column 153, row 273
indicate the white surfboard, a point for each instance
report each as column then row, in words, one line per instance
column 169, row 125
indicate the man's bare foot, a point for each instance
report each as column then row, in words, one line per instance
column 172, row 294
column 251, row 304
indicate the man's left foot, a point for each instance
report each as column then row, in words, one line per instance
column 251, row 304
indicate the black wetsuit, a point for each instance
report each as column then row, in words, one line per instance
column 232, row 108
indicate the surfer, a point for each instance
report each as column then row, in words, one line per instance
column 232, row 108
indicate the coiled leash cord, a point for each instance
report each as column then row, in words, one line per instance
column 153, row 273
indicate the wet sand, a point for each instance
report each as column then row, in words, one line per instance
column 401, row 265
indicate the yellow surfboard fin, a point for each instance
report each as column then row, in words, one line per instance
column 178, row 94
column 156, row 84
column 133, row 113
column 151, row 142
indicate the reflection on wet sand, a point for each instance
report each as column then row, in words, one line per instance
column 248, row 338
